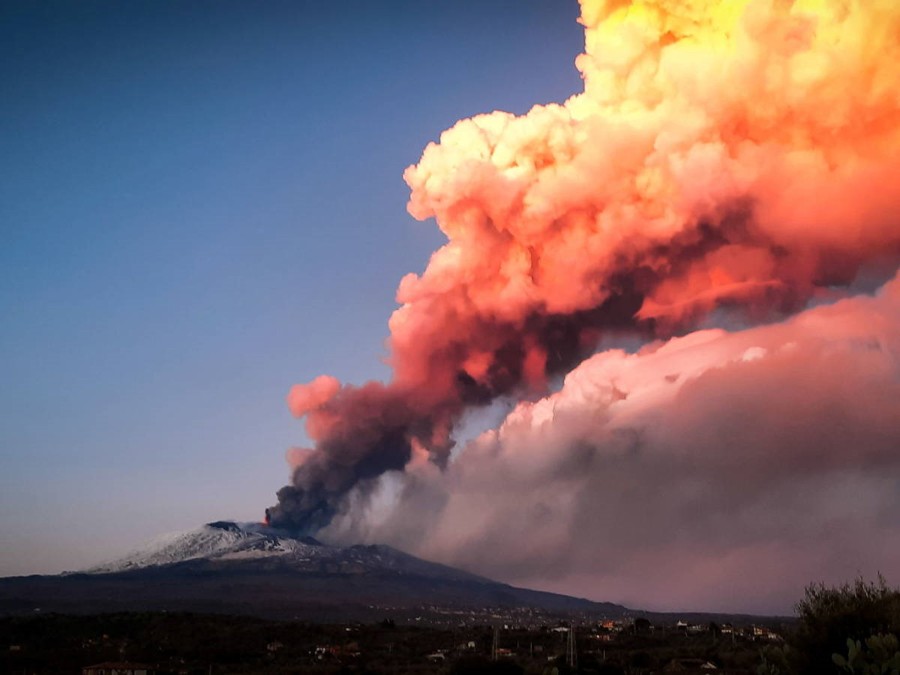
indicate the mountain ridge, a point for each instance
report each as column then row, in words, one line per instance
column 251, row 568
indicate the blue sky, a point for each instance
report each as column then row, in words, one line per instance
column 201, row 204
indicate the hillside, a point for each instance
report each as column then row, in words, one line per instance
column 231, row 568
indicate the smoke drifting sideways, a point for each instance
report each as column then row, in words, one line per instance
column 741, row 155
column 717, row 470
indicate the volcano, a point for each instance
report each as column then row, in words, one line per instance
column 253, row 569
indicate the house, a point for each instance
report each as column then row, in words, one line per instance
column 763, row 633
column 323, row 651
column 118, row 668
column 689, row 666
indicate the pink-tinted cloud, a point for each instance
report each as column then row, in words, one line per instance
column 741, row 154
column 716, row 470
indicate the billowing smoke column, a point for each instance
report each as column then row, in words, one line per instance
column 740, row 154
column 720, row 470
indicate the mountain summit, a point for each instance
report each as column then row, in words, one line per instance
column 227, row 544
column 220, row 540
column 252, row 568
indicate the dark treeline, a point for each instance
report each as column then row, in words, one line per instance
column 866, row 614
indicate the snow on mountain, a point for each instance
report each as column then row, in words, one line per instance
column 220, row 540
column 227, row 541
column 250, row 568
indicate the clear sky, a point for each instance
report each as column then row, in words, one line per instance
column 201, row 203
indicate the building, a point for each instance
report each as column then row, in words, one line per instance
column 118, row 668
column 686, row 666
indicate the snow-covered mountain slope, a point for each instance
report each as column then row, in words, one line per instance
column 250, row 568
column 221, row 540
column 227, row 541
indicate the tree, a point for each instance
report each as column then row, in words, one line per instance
column 828, row 617
column 879, row 656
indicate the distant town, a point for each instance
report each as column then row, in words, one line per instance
column 434, row 641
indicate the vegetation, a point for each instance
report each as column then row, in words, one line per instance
column 193, row 644
column 849, row 629
column 880, row 656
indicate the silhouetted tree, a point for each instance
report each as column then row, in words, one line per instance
column 831, row 616
column 642, row 626
column 828, row 618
